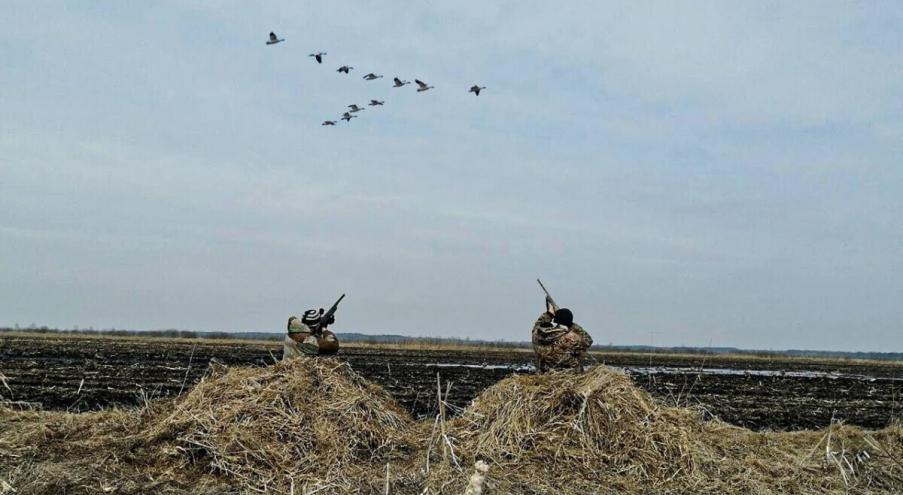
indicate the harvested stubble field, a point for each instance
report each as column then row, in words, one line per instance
column 315, row 426
column 80, row 373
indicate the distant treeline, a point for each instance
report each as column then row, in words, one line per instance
column 168, row 333
column 438, row 341
column 271, row 336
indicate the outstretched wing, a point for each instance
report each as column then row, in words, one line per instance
column 273, row 37
column 420, row 83
column 398, row 81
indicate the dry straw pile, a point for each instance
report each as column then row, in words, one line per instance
column 599, row 433
column 314, row 426
column 294, row 424
column 298, row 427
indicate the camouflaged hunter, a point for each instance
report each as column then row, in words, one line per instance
column 558, row 342
column 309, row 335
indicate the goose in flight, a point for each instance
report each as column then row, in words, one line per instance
column 476, row 89
column 399, row 83
column 328, row 122
column 274, row 39
column 318, row 56
column 371, row 76
column 347, row 117
column 423, row 85
column 374, row 103
column 354, row 108
column 344, row 69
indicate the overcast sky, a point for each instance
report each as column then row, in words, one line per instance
column 696, row 173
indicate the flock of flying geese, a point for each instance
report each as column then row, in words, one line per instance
column 346, row 69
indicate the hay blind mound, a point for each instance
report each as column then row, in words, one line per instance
column 313, row 425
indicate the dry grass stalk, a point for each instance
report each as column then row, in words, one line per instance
column 5, row 384
column 448, row 450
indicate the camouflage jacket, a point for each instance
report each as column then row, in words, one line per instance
column 558, row 346
column 546, row 332
column 303, row 341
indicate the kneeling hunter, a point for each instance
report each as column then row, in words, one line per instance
column 309, row 336
column 558, row 342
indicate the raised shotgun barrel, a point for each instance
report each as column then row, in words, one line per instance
column 549, row 296
column 327, row 316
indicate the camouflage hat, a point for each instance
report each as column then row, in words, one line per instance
column 295, row 325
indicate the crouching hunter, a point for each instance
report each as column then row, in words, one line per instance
column 558, row 342
column 309, row 336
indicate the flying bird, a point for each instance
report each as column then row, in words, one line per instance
column 274, row 39
column 347, row 117
column 328, row 122
column 355, row 108
column 344, row 69
column 476, row 89
column 399, row 83
column 318, row 56
column 374, row 103
column 423, row 85
column 371, row 76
